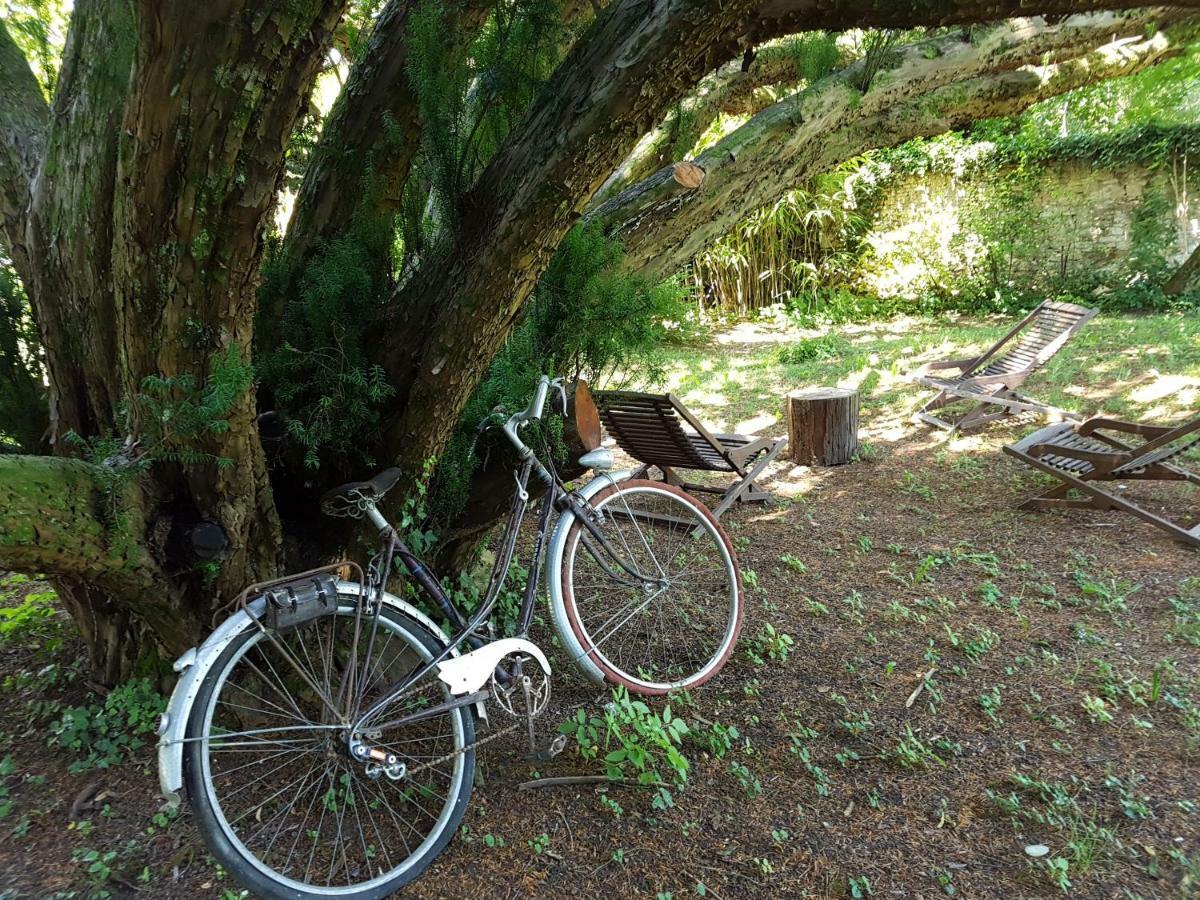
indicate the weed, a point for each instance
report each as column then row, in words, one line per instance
column 769, row 643
column 990, row 704
column 911, row 484
column 636, row 743
column 794, row 563
column 748, row 780
column 106, row 734
column 911, row 752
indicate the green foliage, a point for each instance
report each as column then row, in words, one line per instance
column 815, row 54
column 103, row 735
column 39, row 29
column 32, row 621
column 769, row 644
column 471, row 94
column 176, row 414
column 588, row 319
column 23, row 411
column 634, row 742
column 325, row 386
column 1008, row 248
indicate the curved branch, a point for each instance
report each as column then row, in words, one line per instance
column 934, row 86
column 24, row 119
column 373, row 127
column 730, row 89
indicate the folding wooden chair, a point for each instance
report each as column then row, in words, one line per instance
column 1082, row 456
column 989, row 383
column 649, row 427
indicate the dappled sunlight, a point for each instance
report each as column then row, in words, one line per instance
column 756, row 424
column 1182, row 388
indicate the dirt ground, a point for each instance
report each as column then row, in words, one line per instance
column 966, row 681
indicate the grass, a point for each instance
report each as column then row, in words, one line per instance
column 929, row 680
column 1136, row 366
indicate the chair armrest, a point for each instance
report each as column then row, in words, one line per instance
column 963, row 365
column 1099, row 422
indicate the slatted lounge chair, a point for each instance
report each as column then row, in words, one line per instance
column 1084, row 457
column 989, row 383
column 650, row 428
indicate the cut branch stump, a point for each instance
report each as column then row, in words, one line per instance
column 822, row 426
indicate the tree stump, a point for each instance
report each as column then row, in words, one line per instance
column 822, row 426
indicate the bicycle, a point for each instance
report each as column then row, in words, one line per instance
column 326, row 731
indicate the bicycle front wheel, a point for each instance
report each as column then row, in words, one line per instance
column 276, row 794
column 675, row 623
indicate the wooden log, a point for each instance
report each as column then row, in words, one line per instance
column 822, row 426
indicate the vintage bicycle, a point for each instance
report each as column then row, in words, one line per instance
column 326, row 731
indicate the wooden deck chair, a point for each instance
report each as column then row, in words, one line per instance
column 650, row 428
column 989, row 383
column 1082, row 457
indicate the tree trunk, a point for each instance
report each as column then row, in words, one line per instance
column 144, row 229
column 1178, row 282
column 822, row 426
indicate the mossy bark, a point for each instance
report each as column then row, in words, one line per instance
column 1005, row 69
column 162, row 159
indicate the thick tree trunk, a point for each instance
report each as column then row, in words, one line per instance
column 933, row 87
column 145, row 233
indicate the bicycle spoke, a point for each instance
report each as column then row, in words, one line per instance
column 289, row 793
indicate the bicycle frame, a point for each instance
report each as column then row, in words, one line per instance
column 466, row 630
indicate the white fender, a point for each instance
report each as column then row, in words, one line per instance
column 468, row 673
column 554, row 564
column 194, row 664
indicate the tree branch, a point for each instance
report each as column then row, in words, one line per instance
column 24, row 119
column 616, row 84
column 51, row 523
column 933, row 87
column 730, row 89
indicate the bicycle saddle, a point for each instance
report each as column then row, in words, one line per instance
column 344, row 499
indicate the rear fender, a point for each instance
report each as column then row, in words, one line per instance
column 194, row 664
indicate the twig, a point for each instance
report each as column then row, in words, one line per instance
column 584, row 779
column 570, row 834
column 912, row 698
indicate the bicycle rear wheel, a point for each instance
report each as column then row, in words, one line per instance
column 277, row 796
column 676, row 627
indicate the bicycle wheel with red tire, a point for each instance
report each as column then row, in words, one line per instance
column 673, row 623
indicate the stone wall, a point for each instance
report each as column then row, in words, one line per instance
column 1070, row 225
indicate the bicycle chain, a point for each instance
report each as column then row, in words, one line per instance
column 472, row 746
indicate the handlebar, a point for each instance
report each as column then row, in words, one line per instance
column 532, row 413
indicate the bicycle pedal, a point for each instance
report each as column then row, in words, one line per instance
column 548, row 752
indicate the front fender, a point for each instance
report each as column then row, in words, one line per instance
column 193, row 665
column 554, row 562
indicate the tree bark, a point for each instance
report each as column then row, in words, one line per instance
column 24, row 116
column 730, row 89
column 822, row 426
column 1178, row 282
column 933, row 87
column 145, row 226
